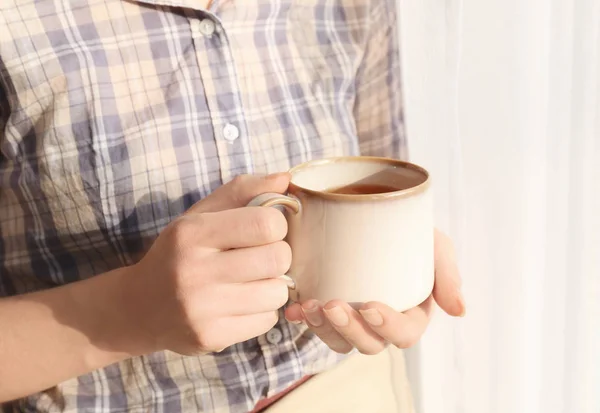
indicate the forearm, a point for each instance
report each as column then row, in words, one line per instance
column 50, row 336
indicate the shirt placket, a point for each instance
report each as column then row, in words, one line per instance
column 222, row 93
column 277, row 346
column 223, row 96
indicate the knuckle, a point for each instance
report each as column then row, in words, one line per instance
column 239, row 188
column 281, row 294
column 280, row 225
column 272, row 319
column 203, row 340
column 261, row 225
column 179, row 230
column 274, row 294
column 205, row 228
column 280, row 257
column 185, row 227
column 178, row 279
column 196, row 340
column 407, row 340
column 268, row 321
column 268, row 261
column 269, row 224
column 371, row 351
column 239, row 180
column 182, row 296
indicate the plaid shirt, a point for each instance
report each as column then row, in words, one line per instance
column 117, row 115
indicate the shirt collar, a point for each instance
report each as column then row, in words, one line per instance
column 187, row 4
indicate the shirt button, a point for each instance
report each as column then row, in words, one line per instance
column 207, row 27
column 231, row 132
column 274, row 336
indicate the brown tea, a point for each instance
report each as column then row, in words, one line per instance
column 363, row 189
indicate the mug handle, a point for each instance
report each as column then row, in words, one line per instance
column 291, row 204
column 270, row 199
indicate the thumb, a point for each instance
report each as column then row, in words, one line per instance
column 240, row 191
column 446, row 290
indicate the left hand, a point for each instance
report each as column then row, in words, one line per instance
column 375, row 324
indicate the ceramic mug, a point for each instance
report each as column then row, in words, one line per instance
column 373, row 245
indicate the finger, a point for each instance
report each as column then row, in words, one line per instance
column 242, row 299
column 311, row 312
column 293, row 313
column 250, row 264
column 235, row 228
column 352, row 326
column 446, row 290
column 223, row 332
column 401, row 329
column 240, row 191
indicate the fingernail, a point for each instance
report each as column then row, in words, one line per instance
column 295, row 321
column 461, row 304
column 372, row 316
column 313, row 316
column 288, row 281
column 337, row 316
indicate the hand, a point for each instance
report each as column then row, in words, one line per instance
column 375, row 324
column 210, row 279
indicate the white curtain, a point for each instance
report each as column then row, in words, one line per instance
column 503, row 106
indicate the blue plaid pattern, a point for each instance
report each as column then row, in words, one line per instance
column 117, row 115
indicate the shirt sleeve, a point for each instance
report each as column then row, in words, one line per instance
column 378, row 108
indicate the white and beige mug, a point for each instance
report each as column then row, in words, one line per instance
column 360, row 229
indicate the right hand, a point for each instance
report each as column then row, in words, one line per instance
column 210, row 279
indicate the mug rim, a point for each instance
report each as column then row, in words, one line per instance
column 403, row 193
